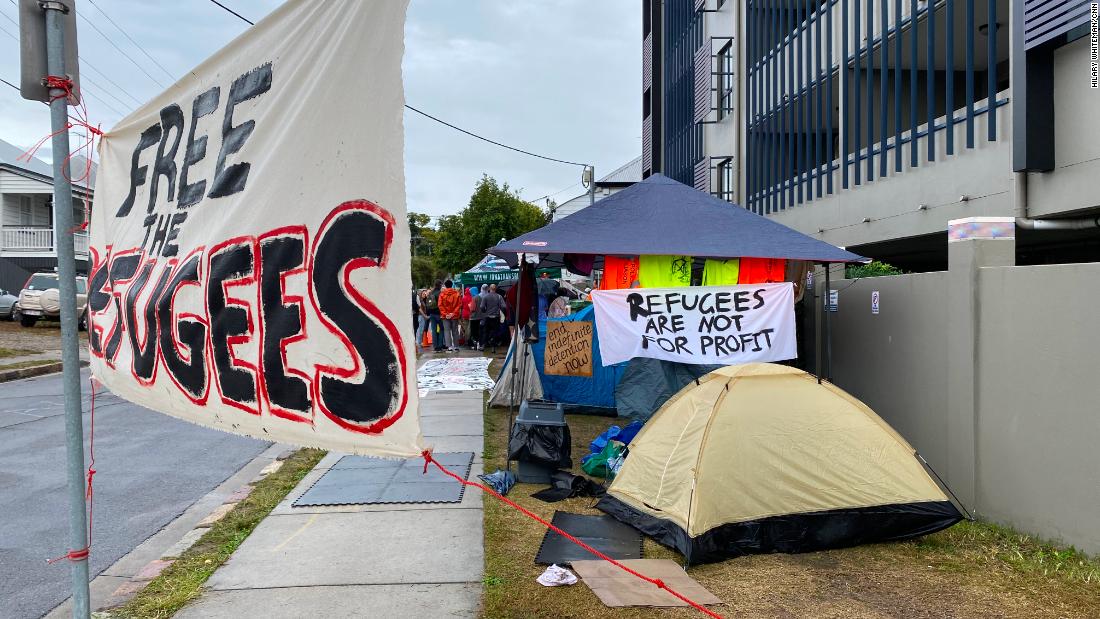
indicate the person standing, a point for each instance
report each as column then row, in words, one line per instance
column 435, row 322
column 422, row 318
column 464, row 317
column 476, row 316
column 491, row 305
column 548, row 291
column 450, row 308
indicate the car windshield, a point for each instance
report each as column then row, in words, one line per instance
column 81, row 285
column 42, row 282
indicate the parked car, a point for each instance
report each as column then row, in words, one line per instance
column 7, row 305
column 40, row 300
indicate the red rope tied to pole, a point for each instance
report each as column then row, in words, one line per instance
column 80, row 120
column 655, row 581
column 89, row 495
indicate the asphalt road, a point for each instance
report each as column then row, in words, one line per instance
column 151, row 468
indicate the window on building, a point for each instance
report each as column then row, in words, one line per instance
column 725, row 80
column 26, row 211
column 724, row 172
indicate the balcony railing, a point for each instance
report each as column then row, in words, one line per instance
column 37, row 239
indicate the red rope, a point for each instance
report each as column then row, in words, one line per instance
column 65, row 85
column 89, row 495
column 655, row 581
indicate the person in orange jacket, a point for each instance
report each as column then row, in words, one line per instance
column 450, row 308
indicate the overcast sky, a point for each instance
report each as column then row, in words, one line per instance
column 557, row 77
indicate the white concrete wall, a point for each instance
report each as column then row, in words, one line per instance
column 1073, row 184
column 720, row 138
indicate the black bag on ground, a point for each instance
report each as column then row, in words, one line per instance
column 565, row 485
column 542, row 444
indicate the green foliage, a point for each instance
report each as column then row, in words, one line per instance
column 872, row 269
column 422, row 237
column 495, row 212
column 425, row 271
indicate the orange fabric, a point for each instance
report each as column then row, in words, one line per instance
column 762, row 271
column 619, row 273
column 449, row 303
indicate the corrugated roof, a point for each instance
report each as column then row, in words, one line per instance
column 9, row 157
column 629, row 173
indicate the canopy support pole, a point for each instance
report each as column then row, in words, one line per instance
column 826, row 331
column 815, row 309
column 515, row 362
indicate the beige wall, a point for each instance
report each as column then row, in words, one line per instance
column 1036, row 440
column 1038, row 464
column 895, row 361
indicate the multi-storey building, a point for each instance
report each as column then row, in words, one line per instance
column 872, row 123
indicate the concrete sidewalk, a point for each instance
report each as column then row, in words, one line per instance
column 364, row 560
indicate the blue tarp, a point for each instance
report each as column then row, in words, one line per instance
column 597, row 390
column 664, row 217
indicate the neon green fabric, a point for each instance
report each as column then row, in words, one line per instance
column 664, row 271
column 721, row 272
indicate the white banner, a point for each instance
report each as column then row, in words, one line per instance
column 250, row 264
column 701, row 324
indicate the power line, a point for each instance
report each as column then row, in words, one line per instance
column 84, row 90
column 128, row 56
column 439, row 120
column 485, row 139
column 131, row 39
column 84, row 62
column 551, row 195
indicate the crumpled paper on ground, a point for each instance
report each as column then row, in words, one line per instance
column 556, row 576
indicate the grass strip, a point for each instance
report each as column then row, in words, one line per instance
column 14, row 352
column 26, row 364
column 984, row 541
column 182, row 581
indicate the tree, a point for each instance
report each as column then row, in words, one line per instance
column 425, row 271
column 871, row 269
column 495, row 212
column 422, row 237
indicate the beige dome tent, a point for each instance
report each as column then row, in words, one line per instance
column 763, row 458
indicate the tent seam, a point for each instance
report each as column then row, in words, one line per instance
column 702, row 446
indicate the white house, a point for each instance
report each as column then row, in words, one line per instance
column 623, row 177
column 26, row 216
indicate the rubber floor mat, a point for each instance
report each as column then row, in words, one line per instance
column 359, row 480
column 604, row 533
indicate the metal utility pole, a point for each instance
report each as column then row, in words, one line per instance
column 591, row 185
column 57, row 20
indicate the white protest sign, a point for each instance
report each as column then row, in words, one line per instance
column 706, row 324
column 250, row 261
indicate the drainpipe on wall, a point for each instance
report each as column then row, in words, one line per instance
column 1027, row 223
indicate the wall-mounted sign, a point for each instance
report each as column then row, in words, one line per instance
column 874, row 301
